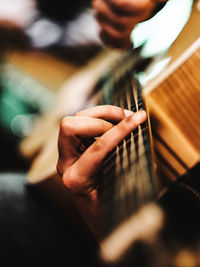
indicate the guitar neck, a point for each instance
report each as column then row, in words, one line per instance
column 128, row 177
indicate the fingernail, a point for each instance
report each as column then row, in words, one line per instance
column 140, row 115
column 128, row 112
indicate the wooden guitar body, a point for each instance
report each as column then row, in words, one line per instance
column 174, row 103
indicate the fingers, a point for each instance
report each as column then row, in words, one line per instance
column 84, row 127
column 72, row 129
column 123, row 7
column 69, row 139
column 79, row 170
column 105, row 13
column 88, row 123
column 106, row 112
column 115, row 23
column 95, row 154
column 117, row 19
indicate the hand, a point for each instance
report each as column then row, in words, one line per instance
column 117, row 18
column 79, row 167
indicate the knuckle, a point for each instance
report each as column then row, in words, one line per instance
column 123, row 127
column 69, row 180
column 98, row 145
column 117, row 35
column 67, row 126
column 125, row 23
column 63, row 124
column 111, row 32
column 128, row 125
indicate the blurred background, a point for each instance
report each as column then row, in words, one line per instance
column 40, row 46
column 43, row 43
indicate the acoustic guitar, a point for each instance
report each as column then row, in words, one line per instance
column 130, row 187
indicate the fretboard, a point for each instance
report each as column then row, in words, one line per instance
column 128, row 178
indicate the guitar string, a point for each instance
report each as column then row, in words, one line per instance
column 121, row 84
column 128, row 197
column 132, row 189
column 138, row 147
column 129, row 145
column 150, row 186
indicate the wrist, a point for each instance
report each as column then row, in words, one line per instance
column 88, row 207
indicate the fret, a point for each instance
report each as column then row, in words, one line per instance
column 128, row 182
column 126, row 168
column 130, row 141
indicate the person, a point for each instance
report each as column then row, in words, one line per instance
column 79, row 166
column 80, row 169
column 32, row 228
column 117, row 18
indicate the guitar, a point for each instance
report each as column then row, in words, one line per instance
column 129, row 189
column 131, row 213
column 174, row 102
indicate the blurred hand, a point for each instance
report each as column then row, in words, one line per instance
column 117, row 18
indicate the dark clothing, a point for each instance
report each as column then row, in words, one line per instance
column 33, row 232
column 62, row 10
